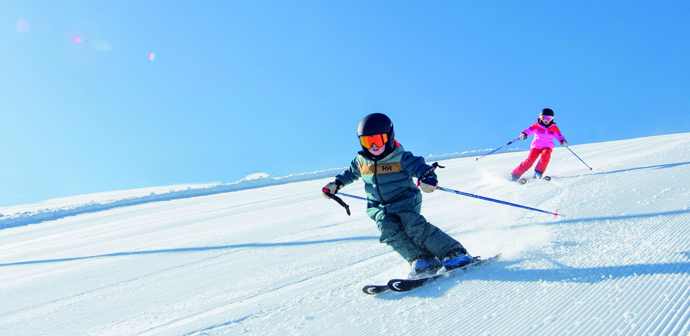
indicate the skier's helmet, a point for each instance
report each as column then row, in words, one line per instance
column 377, row 123
column 546, row 115
column 546, row 112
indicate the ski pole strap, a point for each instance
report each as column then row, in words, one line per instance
column 429, row 171
column 337, row 199
column 498, row 201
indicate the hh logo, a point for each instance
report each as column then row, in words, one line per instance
column 381, row 168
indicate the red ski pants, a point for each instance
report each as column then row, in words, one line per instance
column 533, row 155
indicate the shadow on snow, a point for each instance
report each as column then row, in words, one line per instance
column 622, row 217
column 190, row 249
column 502, row 271
column 661, row 166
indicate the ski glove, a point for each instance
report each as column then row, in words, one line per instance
column 331, row 188
column 428, row 184
column 564, row 143
column 523, row 136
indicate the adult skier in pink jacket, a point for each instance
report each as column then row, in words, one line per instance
column 545, row 130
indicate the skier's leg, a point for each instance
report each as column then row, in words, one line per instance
column 393, row 234
column 426, row 235
column 527, row 164
column 544, row 160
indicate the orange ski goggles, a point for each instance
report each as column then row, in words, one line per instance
column 378, row 139
column 546, row 118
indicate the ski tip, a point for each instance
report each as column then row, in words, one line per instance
column 374, row 290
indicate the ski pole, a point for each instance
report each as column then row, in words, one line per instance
column 590, row 168
column 337, row 199
column 498, row 148
column 353, row 196
column 498, row 201
column 436, row 165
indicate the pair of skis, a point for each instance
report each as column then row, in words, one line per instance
column 524, row 180
column 405, row 285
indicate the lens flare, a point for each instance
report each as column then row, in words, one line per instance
column 151, row 57
column 22, row 26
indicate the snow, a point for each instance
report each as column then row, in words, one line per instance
column 271, row 256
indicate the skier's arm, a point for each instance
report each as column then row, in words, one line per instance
column 350, row 174
column 560, row 137
column 414, row 165
column 529, row 130
column 417, row 167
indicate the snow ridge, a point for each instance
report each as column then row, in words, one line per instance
column 258, row 181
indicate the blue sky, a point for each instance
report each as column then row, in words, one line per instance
column 241, row 87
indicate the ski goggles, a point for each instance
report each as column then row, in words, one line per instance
column 377, row 139
column 546, row 118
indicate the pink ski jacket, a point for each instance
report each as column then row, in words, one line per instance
column 543, row 136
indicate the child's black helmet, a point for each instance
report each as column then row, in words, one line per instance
column 377, row 123
column 546, row 112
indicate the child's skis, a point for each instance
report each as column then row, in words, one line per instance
column 406, row 285
column 524, row 180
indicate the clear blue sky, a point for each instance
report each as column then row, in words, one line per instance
column 241, row 87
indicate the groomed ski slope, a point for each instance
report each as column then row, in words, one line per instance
column 282, row 260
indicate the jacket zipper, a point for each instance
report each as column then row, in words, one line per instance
column 376, row 180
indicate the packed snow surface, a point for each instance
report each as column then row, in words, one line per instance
column 277, row 258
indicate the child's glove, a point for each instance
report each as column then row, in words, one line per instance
column 428, row 184
column 523, row 136
column 564, row 143
column 331, row 188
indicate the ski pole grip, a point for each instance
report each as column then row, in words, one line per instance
column 429, row 171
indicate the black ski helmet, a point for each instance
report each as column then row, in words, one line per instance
column 377, row 123
column 546, row 112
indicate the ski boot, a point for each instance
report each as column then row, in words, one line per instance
column 517, row 179
column 456, row 258
column 425, row 265
column 537, row 174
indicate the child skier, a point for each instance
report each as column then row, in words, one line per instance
column 395, row 202
column 544, row 131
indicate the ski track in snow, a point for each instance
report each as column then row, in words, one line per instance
column 281, row 259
